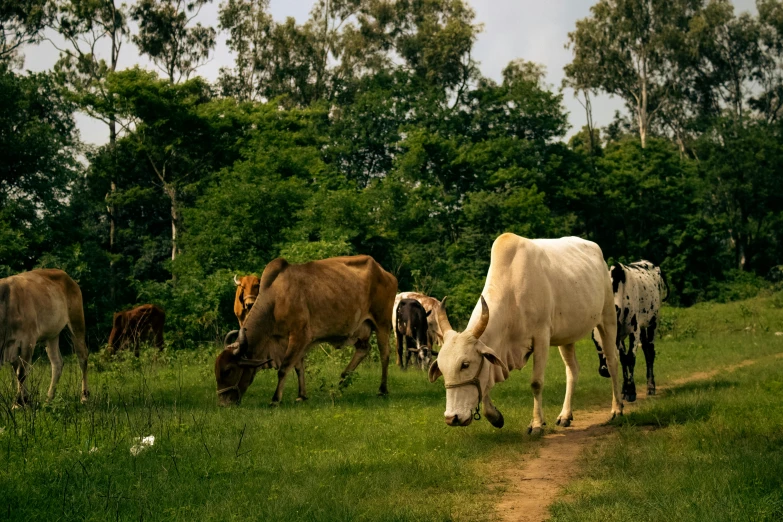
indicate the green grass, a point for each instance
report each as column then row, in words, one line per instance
column 350, row 455
column 707, row 450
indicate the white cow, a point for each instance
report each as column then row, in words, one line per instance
column 538, row 293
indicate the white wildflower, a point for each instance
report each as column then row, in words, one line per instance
column 142, row 443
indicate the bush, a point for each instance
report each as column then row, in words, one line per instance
column 737, row 286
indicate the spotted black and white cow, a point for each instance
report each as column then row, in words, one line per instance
column 638, row 293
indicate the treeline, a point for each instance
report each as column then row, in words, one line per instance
column 370, row 129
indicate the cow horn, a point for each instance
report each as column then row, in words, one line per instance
column 242, row 342
column 443, row 319
column 226, row 342
column 482, row 324
column 236, row 281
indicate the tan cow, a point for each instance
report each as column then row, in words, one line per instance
column 538, row 292
column 38, row 306
column 339, row 300
column 245, row 298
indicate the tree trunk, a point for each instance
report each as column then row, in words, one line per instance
column 112, row 208
column 115, row 55
column 171, row 192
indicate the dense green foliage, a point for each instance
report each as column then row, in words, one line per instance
column 370, row 129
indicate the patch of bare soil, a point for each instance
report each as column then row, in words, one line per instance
column 532, row 484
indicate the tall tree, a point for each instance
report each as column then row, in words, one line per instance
column 37, row 168
column 248, row 24
column 21, row 23
column 168, row 132
column 86, row 25
column 622, row 49
column 168, row 38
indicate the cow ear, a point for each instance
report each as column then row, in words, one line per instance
column 428, row 313
column 434, row 372
column 492, row 357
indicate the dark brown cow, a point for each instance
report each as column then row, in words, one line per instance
column 38, row 306
column 339, row 300
column 144, row 322
column 247, row 293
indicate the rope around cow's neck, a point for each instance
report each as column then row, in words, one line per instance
column 236, row 386
column 477, row 383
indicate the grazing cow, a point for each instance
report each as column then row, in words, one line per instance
column 637, row 288
column 339, row 300
column 247, row 293
column 431, row 305
column 538, row 292
column 411, row 329
column 144, row 322
column 38, row 306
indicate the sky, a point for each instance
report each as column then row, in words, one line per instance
column 536, row 31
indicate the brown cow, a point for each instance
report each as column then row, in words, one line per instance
column 339, row 300
column 38, row 306
column 132, row 326
column 247, row 293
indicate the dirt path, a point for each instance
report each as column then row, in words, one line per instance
column 532, row 486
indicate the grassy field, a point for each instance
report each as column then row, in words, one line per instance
column 352, row 455
column 708, row 450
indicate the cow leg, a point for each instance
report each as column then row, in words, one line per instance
column 540, row 356
column 300, row 374
column 648, row 345
column 628, row 360
column 492, row 414
column 607, row 332
column 382, row 335
column 159, row 340
column 78, row 330
column 603, row 370
column 294, row 355
column 409, row 343
column 56, row 361
column 568, row 353
column 400, row 346
column 361, row 349
column 21, row 367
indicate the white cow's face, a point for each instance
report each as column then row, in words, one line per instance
column 463, row 358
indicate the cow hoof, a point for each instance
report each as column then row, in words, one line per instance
column 651, row 391
column 274, row 404
column 301, row 398
column 383, row 393
column 535, row 432
column 603, row 371
column 498, row 421
column 631, row 398
column 565, row 421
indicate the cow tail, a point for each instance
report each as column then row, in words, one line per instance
column 666, row 284
column 5, row 329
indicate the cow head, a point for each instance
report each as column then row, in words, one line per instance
column 247, row 290
column 234, row 371
column 462, row 362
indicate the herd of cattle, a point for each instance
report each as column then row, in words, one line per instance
column 538, row 293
